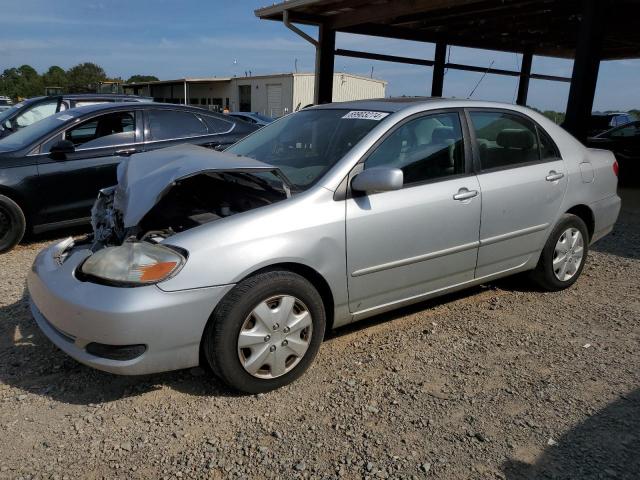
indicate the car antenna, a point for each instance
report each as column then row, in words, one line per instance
column 481, row 78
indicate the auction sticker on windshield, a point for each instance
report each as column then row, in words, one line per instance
column 366, row 115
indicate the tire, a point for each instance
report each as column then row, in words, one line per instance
column 254, row 312
column 549, row 275
column 12, row 224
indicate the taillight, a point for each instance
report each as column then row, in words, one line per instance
column 616, row 167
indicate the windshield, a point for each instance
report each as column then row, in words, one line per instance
column 305, row 145
column 7, row 113
column 27, row 135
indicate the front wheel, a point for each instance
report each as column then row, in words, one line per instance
column 564, row 254
column 265, row 332
column 12, row 224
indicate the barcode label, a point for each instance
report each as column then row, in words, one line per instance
column 366, row 115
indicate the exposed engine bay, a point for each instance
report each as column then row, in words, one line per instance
column 180, row 188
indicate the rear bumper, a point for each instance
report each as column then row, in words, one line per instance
column 605, row 213
column 72, row 314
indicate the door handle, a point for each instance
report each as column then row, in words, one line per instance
column 553, row 176
column 125, row 152
column 465, row 194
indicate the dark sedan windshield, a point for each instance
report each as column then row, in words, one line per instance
column 305, row 145
column 8, row 112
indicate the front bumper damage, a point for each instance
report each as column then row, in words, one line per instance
column 145, row 329
column 74, row 314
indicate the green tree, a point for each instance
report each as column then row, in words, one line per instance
column 31, row 81
column 85, row 77
column 142, row 78
column 21, row 82
column 557, row 117
column 55, row 77
column 9, row 82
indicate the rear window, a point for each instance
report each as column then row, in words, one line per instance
column 174, row 124
column 217, row 125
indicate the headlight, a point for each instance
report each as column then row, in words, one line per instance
column 133, row 263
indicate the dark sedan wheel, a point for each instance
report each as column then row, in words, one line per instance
column 564, row 254
column 265, row 332
column 12, row 224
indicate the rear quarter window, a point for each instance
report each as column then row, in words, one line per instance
column 174, row 124
column 217, row 125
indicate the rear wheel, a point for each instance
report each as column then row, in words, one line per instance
column 564, row 254
column 265, row 332
column 12, row 224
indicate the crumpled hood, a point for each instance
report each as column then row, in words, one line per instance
column 143, row 179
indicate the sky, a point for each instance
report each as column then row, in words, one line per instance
column 205, row 38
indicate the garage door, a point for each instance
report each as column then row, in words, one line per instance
column 274, row 100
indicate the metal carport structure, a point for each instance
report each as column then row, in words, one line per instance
column 586, row 30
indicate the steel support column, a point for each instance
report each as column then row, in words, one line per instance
column 525, row 75
column 325, row 56
column 585, row 68
column 437, row 82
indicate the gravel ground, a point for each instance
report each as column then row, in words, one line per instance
column 501, row 381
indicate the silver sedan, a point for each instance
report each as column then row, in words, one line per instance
column 241, row 260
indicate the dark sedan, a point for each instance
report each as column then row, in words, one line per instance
column 624, row 142
column 29, row 111
column 51, row 171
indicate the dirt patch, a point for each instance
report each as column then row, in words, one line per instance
column 500, row 381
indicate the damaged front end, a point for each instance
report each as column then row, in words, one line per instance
column 106, row 221
column 167, row 191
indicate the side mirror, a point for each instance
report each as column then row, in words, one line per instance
column 378, row 179
column 61, row 149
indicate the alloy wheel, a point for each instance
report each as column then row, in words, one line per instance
column 568, row 254
column 275, row 336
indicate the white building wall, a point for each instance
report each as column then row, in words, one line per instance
column 259, row 87
column 349, row 87
column 345, row 87
column 210, row 92
column 303, row 90
column 297, row 91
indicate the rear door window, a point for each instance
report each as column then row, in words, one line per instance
column 174, row 124
column 505, row 140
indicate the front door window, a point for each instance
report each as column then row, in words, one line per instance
column 108, row 130
column 425, row 149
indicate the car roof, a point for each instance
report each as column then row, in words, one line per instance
column 91, row 96
column 99, row 107
column 396, row 104
column 608, row 114
column 86, row 96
